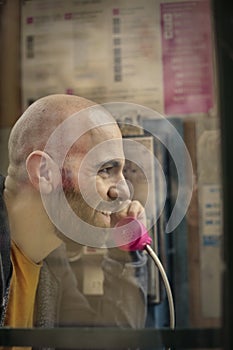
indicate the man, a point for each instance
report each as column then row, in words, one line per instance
column 49, row 156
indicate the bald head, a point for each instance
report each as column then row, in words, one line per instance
column 33, row 129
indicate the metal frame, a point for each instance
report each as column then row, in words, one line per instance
column 109, row 338
column 223, row 18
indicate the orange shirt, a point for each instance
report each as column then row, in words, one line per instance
column 24, row 282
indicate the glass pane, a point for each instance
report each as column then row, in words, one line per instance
column 111, row 186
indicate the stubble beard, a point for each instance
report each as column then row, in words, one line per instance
column 87, row 216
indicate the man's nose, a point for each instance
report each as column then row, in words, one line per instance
column 119, row 191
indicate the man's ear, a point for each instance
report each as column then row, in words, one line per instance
column 43, row 172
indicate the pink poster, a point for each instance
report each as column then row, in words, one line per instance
column 187, row 55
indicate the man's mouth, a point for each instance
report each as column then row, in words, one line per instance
column 106, row 213
column 111, row 207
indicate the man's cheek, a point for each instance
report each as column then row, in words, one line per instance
column 101, row 188
column 88, row 187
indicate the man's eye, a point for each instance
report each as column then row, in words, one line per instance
column 105, row 170
column 110, row 168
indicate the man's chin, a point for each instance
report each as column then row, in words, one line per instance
column 95, row 222
column 98, row 220
column 99, row 225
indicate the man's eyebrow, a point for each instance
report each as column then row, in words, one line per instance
column 110, row 163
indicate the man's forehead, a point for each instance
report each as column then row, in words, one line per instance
column 106, row 131
column 108, row 149
column 107, row 134
column 98, row 147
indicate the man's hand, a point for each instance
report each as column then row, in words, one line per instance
column 132, row 209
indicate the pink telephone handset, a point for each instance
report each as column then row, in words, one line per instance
column 136, row 232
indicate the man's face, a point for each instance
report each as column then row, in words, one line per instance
column 92, row 176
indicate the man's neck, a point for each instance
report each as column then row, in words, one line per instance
column 30, row 226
